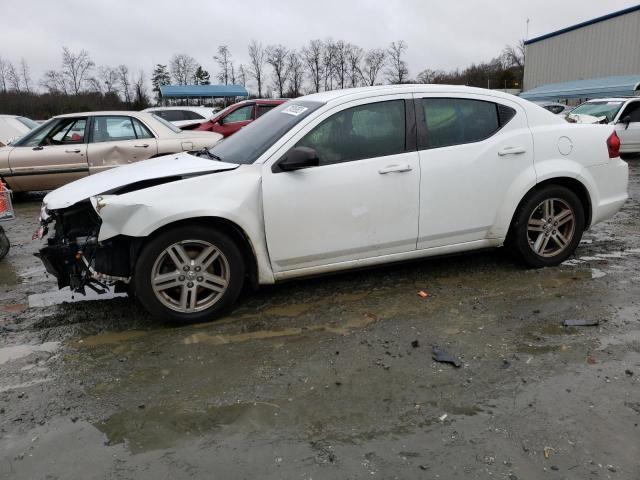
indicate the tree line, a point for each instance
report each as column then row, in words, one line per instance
column 78, row 84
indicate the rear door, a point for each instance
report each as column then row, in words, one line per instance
column 471, row 149
column 56, row 155
column 118, row 140
column 629, row 131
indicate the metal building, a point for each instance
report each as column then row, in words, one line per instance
column 603, row 47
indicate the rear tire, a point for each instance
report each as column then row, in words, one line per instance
column 5, row 245
column 189, row 274
column 547, row 227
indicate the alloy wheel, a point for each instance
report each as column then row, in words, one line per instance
column 551, row 227
column 190, row 276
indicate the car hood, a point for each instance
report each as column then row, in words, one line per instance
column 181, row 164
column 583, row 118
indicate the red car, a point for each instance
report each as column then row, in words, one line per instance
column 234, row 117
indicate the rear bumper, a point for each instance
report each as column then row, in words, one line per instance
column 612, row 180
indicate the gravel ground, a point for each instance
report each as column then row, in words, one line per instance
column 334, row 377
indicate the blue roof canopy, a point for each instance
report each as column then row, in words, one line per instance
column 193, row 91
column 617, row 86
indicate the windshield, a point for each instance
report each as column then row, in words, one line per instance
column 250, row 142
column 598, row 109
column 36, row 132
column 169, row 125
column 30, row 124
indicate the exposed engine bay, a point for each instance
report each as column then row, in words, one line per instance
column 75, row 257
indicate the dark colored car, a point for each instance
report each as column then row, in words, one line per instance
column 234, row 117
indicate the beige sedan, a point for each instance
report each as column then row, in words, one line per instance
column 69, row 147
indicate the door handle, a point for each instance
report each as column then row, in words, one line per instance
column 145, row 145
column 512, row 151
column 76, row 150
column 395, row 168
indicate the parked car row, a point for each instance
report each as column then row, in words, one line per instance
column 69, row 147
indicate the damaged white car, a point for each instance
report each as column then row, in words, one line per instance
column 335, row 181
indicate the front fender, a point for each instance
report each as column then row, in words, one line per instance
column 234, row 196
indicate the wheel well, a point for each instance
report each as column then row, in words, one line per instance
column 223, row 225
column 572, row 184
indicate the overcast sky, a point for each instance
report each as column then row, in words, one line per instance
column 441, row 34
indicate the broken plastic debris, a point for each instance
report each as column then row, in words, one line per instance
column 581, row 322
column 442, row 418
column 548, row 451
column 443, row 356
column 423, row 294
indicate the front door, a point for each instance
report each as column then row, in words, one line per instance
column 118, row 140
column 471, row 151
column 56, row 155
column 362, row 199
column 235, row 120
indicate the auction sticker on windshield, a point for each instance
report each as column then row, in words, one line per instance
column 295, row 110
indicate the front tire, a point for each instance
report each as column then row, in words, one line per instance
column 547, row 227
column 189, row 274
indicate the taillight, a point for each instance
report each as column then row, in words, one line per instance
column 613, row 145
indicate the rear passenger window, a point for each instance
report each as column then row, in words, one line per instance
column 455, row 121
column 366, row 131
column 171, row 115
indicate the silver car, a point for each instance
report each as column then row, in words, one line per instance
column 69, row 147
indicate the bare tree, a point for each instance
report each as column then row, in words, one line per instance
column 295, row 69
column 76, row 68
column 232, row 74
column 354, row 61
column 513, row 56
column 182, row 67
column 94, row 85
column 257, row 58
column 25, row 73
column 223, row 58
column 242, row 75
column 312, row 57
column 109, row 78
column 125, row 83
column 277, row 58
column 328, row 63
column 373, row 63
column 340, row 62
column 13, row 77
column 397, row 72
column 141, row 100
column 54, row 82
column 3, row 74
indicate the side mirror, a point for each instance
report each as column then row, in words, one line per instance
column 298, row 158
column 626, row 121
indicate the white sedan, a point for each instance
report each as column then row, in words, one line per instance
column 335, row 181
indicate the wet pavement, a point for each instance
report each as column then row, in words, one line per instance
column 334, row 377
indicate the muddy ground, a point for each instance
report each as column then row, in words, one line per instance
column 333, row 377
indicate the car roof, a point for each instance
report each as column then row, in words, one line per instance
column 364, row 92
column 184, row 107
column 131, row 113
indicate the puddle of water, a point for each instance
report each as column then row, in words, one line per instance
column 65, row 295
column 109, row 338
column 15, row 352
column 221, row 339
column 162, row 427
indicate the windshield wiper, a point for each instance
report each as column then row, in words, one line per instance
column 206, row 152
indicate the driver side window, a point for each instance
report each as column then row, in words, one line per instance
column 365, row 131
column 632, row 111
column 65, row 131
column 242, row 114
